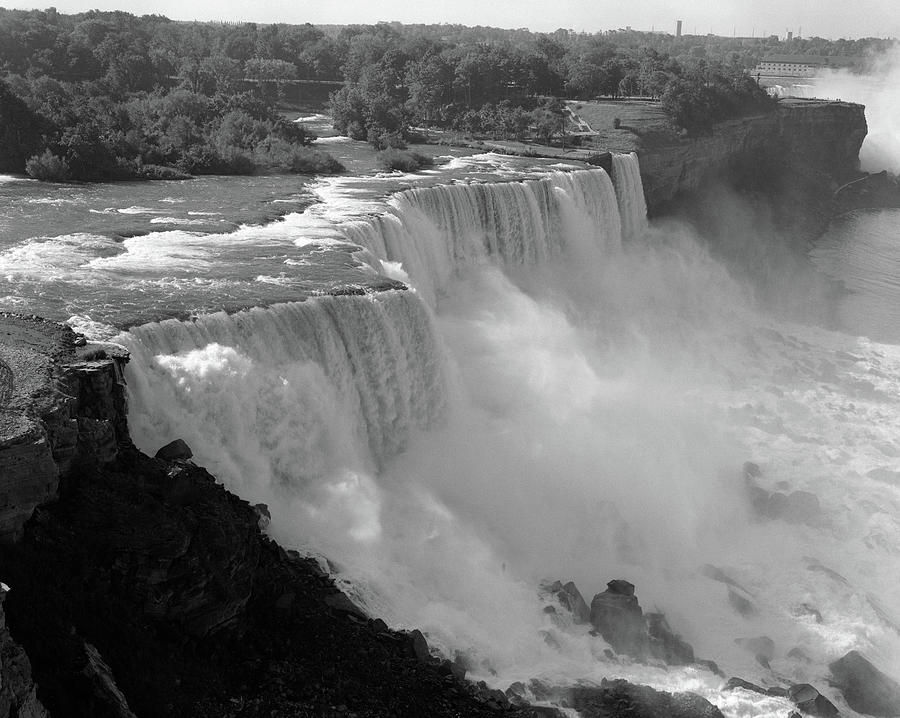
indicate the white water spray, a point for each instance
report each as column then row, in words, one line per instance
column 579, row 407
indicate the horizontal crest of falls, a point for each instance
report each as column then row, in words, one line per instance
column 284, row 390
column 292, row 389
column 432, row 232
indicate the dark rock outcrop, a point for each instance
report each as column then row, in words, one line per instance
column 152, row 573
column 620, row 698
column 569, row 598
column 63, row 404
column 618, row 617
column 18, row 692
column 665, row 644
column 815, row 140
column 176, row 450
column 865, row 688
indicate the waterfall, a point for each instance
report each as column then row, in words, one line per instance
column 630, row 194
column 287, row 392
column 433, row 232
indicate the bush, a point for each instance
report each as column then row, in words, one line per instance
column 403, row 160
column 617, row 123
column 158, row 172
column 306, row 160
column 48, row 167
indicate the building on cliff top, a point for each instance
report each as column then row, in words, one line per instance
column 802, row 65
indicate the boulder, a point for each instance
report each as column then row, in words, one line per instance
column 866, row 689
column 618, row 617
column 809, row 700
column 176, row 450
column 736, row 682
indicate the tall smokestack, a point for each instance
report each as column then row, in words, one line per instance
column 678, row 28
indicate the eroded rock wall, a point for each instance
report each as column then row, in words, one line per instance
column 816, row 141
column 60, row 404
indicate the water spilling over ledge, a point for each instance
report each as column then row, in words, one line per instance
column 565, row 392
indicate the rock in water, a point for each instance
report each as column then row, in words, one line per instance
column 571, row 599
column 866, row 689
column 665, row 643
column 810, row 701
column 618, row 617
column 176, row 450
column 621, row 698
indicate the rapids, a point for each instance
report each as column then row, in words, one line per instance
column 565, row 391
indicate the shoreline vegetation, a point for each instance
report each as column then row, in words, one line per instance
column 110, row 96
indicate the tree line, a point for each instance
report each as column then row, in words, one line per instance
column 100, row 95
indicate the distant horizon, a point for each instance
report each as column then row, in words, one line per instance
column 831, row 19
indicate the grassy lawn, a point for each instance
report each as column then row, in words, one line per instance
column 642, row 123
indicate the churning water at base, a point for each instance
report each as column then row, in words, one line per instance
column 566, row 393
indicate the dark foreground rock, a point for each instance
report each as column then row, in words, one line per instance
column 865, row 688
column 148, row 588
column 18, row 692
column 620, row 698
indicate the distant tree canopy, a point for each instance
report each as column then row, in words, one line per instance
column 111, row 93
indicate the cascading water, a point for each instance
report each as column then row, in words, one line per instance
column 433, row 232
column 630, row 194
column 563, row 404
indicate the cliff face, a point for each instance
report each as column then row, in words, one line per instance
column 60, row 405
column 815, row 141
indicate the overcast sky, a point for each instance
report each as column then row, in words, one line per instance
column 825, row 18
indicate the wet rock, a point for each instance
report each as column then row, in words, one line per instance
column 105, row 694
column 665, row 643
column 419, row 646
column 736, row 682
column 798, row 654
column 571, row 599
column 18, row 691
column 265, row 516
column 341, row 604
column 809, row 700
column 740, row 603
column 176, row 450
column 711, row 666
column 621, row 698
column 618, row 617
column 866, row 689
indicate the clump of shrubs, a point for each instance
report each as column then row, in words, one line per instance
column 159, row 172
column 48, row 167
column 305, row 160
column 403, row 160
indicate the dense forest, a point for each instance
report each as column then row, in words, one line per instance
column 103, row 95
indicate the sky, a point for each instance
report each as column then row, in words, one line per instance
column 825, row 18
